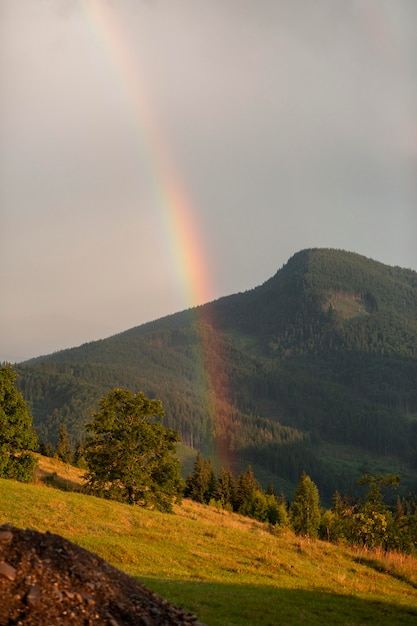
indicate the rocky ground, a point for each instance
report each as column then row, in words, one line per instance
column 46, row 580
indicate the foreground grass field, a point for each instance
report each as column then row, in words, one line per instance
column 227, row 569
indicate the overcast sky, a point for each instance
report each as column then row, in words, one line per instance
column 288, row 123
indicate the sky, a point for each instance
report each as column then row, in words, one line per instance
column 159, row 154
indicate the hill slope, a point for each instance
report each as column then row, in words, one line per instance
column 314, row 370
column 226, row 569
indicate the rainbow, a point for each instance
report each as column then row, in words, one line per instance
column 171, row 200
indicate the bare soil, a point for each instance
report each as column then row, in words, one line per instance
column 47, row 580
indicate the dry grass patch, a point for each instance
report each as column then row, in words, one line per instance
column 400, row 566
column 52, row 472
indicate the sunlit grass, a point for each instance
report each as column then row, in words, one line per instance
column 401, row 566
column 51, row 471
column 228, row 569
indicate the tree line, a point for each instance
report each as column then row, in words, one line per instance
column 368, row 521
column 131, row 457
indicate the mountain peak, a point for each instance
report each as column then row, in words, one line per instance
column 323, row 352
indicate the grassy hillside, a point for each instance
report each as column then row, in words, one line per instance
column 227, row 569
column 320, row 359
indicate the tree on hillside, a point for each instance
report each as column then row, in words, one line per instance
column 46, row 448
column 201, row 484
column 130, row 455
column 372, row 523
column 17, row 437
column 247, row 489
column 64, row 450
column 305, row 509
column 225, row 489
column 79, row 455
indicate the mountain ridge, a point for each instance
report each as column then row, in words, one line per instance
column 320, row 356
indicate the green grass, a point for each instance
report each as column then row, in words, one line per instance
column 227, row 569
column 348, row 306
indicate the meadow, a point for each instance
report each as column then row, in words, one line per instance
column 228, row 569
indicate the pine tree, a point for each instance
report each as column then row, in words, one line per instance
column 276, row 510
column 201, row 484
column 246, row 488
column 305, row 509
column 79, row 455
column 46, row 449
column 225, row 490
column 64, row 450
column 17, row 437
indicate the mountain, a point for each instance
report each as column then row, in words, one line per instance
column 314, row 370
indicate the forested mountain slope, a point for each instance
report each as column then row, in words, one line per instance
column 314, row 370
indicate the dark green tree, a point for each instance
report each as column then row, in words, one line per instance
column 405, row 525
column 79, row 455
column 46, row 449
column 225, row 490
column 130, row 455
column 305, row 510
column 201, row 484
column 247, row 488
column 276, row 510
column 64, row 450
column 17, row 437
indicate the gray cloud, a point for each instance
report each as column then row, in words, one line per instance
column 291, row 124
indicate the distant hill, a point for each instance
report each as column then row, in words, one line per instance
column 315, row 370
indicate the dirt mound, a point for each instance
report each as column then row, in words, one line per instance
column 45, row 579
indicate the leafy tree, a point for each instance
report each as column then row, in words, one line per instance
column 373, row 522
column 370, row 528
column 305, row 509
column 370, row 522
column 376, row 482
column 64, row 450
column 17, row 437
column 130, row 455
column 336, row 523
